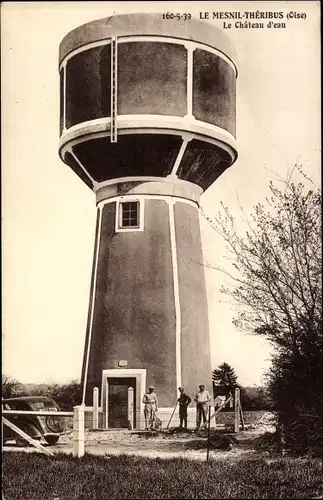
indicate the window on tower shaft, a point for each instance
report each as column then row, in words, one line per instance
column 129, row 216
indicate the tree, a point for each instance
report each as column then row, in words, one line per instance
column 278, row 288
column 295, row 387
column 225, row 376
column 66, row 395
column 11, row 387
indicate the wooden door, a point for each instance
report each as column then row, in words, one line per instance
column 118, row 401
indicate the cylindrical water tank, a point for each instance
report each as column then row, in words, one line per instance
column 165, row 87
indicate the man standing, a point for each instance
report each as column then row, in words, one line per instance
column 151, row 406
column 183, row 401
column 202, row 398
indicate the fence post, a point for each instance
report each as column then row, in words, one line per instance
column 78, row 431
column 236, row 409
column 106, row 399
column 25, row 436
column 131, row 422
column 95, row 408
column 214, row 413
column 208, row 434
column 241, row 416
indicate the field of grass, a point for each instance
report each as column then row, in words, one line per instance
column 31, row 476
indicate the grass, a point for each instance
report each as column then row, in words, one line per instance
column 31, row 476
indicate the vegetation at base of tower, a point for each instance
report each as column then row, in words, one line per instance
column 277, row 286
column 36, row 477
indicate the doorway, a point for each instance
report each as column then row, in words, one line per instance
column 118, row 401
column 122, row 391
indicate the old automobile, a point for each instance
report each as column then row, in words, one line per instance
column 36, row 426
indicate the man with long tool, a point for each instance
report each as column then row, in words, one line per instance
column 183, row 402
column 202, row 398
column 151, row 406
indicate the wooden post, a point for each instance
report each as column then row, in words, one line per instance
column 214, row 410
column 241, row 415
column 172, row 415
column 208, row 434
column 106, row 399
column 236, row 409
column 131, row 422
column 78, row 431
column 223, row 404
column 95, row 424
column 25, row 436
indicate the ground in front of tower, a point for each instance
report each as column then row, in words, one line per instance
column 171, row 443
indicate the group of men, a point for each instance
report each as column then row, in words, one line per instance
column 202, row 399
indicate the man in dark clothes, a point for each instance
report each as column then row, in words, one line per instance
column 183, row 401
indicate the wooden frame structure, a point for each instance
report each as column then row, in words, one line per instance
column 238, row 414
column 78, row 427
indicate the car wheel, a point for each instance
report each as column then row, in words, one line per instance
column 51, row 440
column 54, row 424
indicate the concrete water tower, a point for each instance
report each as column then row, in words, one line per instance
column 147, row 109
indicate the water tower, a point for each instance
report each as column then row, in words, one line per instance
column 147, row 121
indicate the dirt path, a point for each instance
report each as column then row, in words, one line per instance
column 163, row 444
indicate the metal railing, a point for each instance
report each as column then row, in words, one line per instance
column 114, row 88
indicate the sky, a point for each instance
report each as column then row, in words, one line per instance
column 48, row 214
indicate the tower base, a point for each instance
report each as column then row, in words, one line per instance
column 121, row 405
column 164, row 414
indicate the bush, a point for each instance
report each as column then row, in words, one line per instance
column 11, row 388
column 296, row 383
column 268, row 442
column 66, row 396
